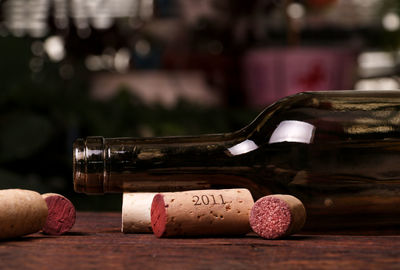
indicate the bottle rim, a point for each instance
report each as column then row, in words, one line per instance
column 88, row 165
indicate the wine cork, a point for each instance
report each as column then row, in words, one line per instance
column 62, row 214
column 201, row 212
column 136, row 212
column 21, row 212
column 277, row 216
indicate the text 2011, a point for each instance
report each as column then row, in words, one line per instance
column 208, row 200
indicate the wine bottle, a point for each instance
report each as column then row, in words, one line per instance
column 338, row 151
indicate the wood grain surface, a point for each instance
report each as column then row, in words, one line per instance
column 97, row 243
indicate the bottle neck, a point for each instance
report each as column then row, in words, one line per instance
column 159, row 164
column 169, row 163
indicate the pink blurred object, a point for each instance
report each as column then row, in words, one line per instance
column 270, row 74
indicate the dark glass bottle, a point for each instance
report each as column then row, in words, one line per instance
column 339, row 152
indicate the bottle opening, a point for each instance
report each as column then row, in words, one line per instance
column 88, row 165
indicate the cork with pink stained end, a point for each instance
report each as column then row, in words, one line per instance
column 202, row 212
column 277, row 216
column 62, row 214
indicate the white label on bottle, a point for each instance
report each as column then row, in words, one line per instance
column 293, row 131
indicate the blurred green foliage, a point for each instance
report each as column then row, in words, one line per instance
column 41, row 114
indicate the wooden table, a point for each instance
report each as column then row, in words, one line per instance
column 97, row 243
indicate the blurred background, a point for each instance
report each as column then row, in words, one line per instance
column 76, row 68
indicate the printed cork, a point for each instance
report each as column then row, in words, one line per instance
column 202, row 212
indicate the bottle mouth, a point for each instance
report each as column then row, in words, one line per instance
column 88, row 165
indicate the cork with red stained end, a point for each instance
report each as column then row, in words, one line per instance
column 62, row 214
column 201, row 212
column 277, row 216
